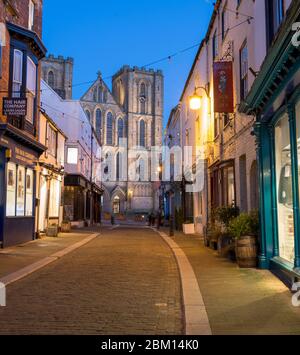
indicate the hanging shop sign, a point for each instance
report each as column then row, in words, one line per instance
column 14, row 106
column 223, row 87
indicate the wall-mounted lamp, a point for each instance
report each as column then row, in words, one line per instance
column 8, row 154
column 195, row 99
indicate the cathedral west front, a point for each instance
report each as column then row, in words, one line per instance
column 127, row 121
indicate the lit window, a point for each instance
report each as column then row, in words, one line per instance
column 31, row 15
column 21, row 191
column 29, row 192
column 11, row 190
column 55, row 192
column 72, row 157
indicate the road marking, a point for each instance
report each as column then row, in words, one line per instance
column 27, row 270
column 195, row 315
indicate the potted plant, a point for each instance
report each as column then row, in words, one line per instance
column 66, row 226
column 52, row 230
column 225, row 241
column 244, row 229
column 214, row 231
column 188, row 227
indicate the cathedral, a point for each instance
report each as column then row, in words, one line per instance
column 125, row 117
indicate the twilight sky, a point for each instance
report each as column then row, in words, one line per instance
column 106, row 34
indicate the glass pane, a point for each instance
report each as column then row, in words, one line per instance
column 284, row 190
column 54, row 198
column 21, row 191
column 298, row 139
column 11, row 190
column 230, row 187
column 29, row 192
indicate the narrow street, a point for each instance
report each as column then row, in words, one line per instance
column 120, row 283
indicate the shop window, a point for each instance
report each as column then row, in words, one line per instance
column 72, row 156
column 284, row 190
column 55, row 191
column 298, row 139
column 228, row 186
column 19, row 195
column 29, row 192
column 21, row 191
column 243, row 184
column 11, row 190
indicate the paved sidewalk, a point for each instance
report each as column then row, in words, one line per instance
column 239, row 301
column 15, row 258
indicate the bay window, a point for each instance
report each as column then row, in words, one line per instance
column 17, row 73
column 31, row 89
column 72, row 156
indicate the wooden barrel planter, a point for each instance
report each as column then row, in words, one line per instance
column 225, row 245
column 246, row 251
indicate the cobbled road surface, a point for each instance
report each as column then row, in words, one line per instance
column 125, row 281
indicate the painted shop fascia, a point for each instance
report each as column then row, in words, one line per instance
column 19, row 146
column 275, row 101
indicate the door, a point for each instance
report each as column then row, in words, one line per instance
column 43, row 204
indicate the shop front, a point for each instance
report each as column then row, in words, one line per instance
column 50, row 201
column 275, row 100
column 19, row 155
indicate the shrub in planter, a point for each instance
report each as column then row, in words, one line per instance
column 244, row 229
column 226, row 214
column 214, row 232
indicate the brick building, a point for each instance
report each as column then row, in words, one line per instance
column 21, row 50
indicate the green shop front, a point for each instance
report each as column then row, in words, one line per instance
column 275, row 101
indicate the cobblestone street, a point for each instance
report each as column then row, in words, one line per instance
column 122, row 282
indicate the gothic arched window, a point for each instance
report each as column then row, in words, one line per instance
column 98, row 123
column 119, row 166
column 104, row 96
column 120, row 129
column 142, row 133
column 109, row 128
column 88, row 115
column 95, row 94
column 100, row 94
column 142, row 176
column 143, row 98
column 51, row 79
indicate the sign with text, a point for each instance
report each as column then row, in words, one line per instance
column 14, row 107
column 223, row 87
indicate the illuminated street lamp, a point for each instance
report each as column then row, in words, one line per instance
column 195, row 99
